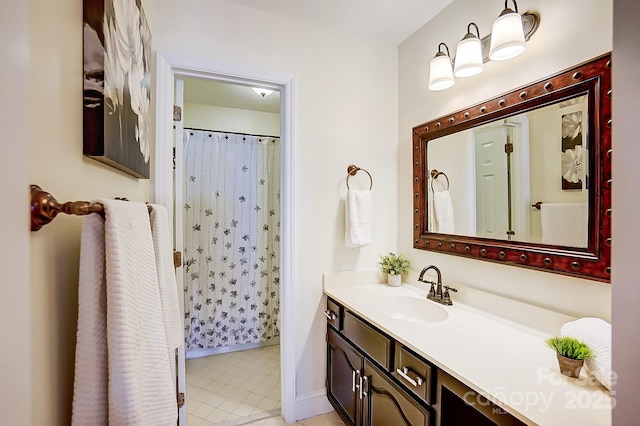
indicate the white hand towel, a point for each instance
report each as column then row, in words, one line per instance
column 140, row 388
column 90, row 386
column 443, row 208
column 359, row 215
column 564, row 224
column 596, row 333
column 168, row 287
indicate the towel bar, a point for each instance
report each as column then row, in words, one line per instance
column 44, row 208
column 352, row 170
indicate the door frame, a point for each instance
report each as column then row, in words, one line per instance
column 167, row 66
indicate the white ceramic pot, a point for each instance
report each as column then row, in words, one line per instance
column 394, row 280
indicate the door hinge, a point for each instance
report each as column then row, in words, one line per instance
column 180, row 399
column 508, row 148
column 177, row 113
column 177, row 259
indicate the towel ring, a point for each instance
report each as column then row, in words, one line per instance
column 352, row 170
column 434, row 175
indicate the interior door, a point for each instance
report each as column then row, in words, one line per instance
column 178, row 179
column 491, row 183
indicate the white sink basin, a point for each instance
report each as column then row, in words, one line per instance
column 413, row 309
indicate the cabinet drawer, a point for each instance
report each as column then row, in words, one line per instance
column 416, row 374
column 333, row 314
column 367, row 338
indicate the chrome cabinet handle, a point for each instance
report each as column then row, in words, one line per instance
column 330, row 315
column 354, row 386
column 363, row 382
column 404, row 373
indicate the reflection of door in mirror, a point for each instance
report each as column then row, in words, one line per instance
column 502, row 179
column 497, row 171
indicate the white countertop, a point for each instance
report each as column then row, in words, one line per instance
column 502, row 360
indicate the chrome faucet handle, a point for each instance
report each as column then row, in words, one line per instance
column 445, row 295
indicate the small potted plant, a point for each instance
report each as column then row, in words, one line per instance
column 394, row 266
column 571, row 354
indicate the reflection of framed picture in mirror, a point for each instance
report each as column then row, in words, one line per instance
column 572, row 162
column 117, row 84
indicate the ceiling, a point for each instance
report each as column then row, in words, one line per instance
column 390, row 21
column 209, row 92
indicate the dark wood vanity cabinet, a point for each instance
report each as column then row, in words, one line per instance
column 344, row 367
column 385, row 403
column 372, row 380
column 363, row 394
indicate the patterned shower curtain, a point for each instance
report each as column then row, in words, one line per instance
column 232, row 236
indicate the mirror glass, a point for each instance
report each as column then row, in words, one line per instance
column 519, row 178
column 523, row 178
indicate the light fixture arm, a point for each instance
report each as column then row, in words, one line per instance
column 446, row 47
column 469, row 29
column 515, row 5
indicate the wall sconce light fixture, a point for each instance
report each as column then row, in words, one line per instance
column 440, row 71
column 510, row 32
column 507, row 35
column 469, row 54
column 262, row 92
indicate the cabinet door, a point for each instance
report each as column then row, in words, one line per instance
column 344, row 366
column 386, row 404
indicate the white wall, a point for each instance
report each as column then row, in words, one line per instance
column 454, row 156
column 209, row 117
column 570, row 33
column 15, row 307
column 56, row 163
column 345, row 112
column 626, row 232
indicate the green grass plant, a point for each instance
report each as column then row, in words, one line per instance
column 569, row 347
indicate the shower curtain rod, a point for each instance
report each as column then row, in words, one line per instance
column 233, row 133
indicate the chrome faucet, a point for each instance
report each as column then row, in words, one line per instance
column 436, row 293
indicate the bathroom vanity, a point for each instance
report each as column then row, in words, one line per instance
column 396, row 358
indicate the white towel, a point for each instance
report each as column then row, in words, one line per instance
column 90, row 387
column 168, row 287
column 564, row 224
column 443, row 209
column 134, row 354
column 596, row 333
column 359, row 215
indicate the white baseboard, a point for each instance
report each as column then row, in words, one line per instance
column 312, row 404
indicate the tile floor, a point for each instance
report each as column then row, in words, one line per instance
column 329, row 419
column 233, row 388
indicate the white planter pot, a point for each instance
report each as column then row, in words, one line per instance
column 394, row 280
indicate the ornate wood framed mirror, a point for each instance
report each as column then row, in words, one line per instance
column 524, row 178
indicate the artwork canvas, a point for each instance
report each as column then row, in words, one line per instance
column 573, row 153
column 117, row 84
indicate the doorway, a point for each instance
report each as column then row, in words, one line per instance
column 168, row 69
column 228, row 194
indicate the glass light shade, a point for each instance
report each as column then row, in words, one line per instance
column 468, row 57
column 262, row 92
column 440, row 73
column 507, row 36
